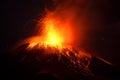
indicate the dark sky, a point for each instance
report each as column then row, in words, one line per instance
column 19, row 16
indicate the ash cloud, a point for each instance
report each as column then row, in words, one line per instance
column 74, row 13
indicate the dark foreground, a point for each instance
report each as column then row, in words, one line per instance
column 37, row 65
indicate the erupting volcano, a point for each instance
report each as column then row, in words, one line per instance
column 55, row 44
column 56, row 47
column 54, row 33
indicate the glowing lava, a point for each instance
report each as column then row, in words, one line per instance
column 55, row 32
column 52, row 35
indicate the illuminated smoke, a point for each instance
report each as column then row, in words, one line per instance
column 64, row 25
column 60, row 36
column 63, row 29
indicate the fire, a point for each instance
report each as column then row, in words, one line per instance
column 52, row 36
column 62, row 26
column 55, row 32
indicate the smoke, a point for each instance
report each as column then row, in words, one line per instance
column 79, row 22
column 70, row 17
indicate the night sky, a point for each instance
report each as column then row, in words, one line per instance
column 20, row 16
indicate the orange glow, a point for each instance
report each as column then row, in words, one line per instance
column 55, row 32
column 52, row 35
column 61, row 27
column 62, row 32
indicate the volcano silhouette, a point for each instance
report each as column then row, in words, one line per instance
column 46, row 63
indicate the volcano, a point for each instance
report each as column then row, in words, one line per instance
column 56, row 50
column 45, row 62
column 60, row 62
